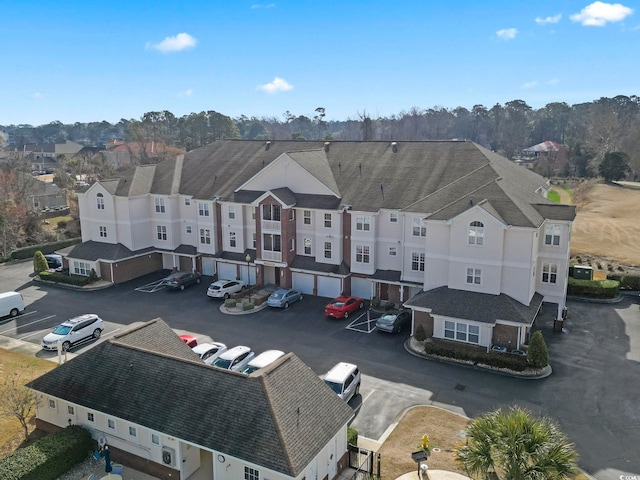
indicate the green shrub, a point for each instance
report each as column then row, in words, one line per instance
column 593, row 288
column 420, row 335
column 78, row 280
column 48, row 458
column 62, row 224
column 375, row 302
column 352, row 436
column 475, row 355
column 246, row 305
column 537, row 354
column 46, row 248
column 230, row 302
column 93, row 276
column 627, row 282
column 39, row 262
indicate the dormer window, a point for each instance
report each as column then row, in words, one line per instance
column 476, row 233
column 100, row 201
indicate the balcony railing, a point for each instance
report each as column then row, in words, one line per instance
column 272, row 256
column 271, row 225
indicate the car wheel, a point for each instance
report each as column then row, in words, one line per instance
column 286, row 305
column 300, row 297
column 66, row 346
column 346, row 315
column 14, row 312
column 96, row 333
column 181, row 287
column 361, row 305
column 226, row 295
column 198, row 281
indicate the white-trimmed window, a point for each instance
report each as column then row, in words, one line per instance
column 292, row 214
column 100, row 201
column 203, row 209
column 232, row 239
column 155, row 439
column 306, row 215
column 271, row 212
column 463, row 332
column 251, row 474
column 393, row 251
column 71, row 410
column 552, row 235
column 160, row 205
column 307, row 246
column 232, row 212
column 292, row 244
column 52, row 403
column 254, row 240
column 253, row 213
column 393, row 217
column 362, row 253
column 133, row 432
column 205, row 236
column 103, row 231
column 327, row 220
column 162, row 232
column 327, row 249
column 476, row 233
column 417, row 262
column 187, row 201
column 81, row 268
column 363, row 223
column 474, row 276
column 549, row 273
column 90, row 417
column 419, row 227
column 188, row 228
column 111, row 423
column 271, row 242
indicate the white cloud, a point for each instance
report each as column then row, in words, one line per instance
column 533, row 84
column 548, row 20
column 553, row 81
column 599, row 14
column 36, row 95
column 186, row 93
column 278, row 85
column 259, row 5
column 507, row 33
column 174, row 44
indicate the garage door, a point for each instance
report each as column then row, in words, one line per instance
column 303, row 282
column 227, row 271
column 208, row 266
column 361, row 287
column 328, row 287
column 252, row 273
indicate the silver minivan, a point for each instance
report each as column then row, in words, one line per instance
column 344, row 379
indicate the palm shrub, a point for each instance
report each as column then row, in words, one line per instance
column 514, row 444
column 537, row 353
column 39, row 262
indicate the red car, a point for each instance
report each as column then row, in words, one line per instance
column 190, row 340
column 342, row 307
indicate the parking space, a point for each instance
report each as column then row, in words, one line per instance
column 363, row 323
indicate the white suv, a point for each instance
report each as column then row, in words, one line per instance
column 74, row 331
column 235, row 358
column 224, row 288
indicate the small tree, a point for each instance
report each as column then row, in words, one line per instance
column 18, row 401
column 614, row 166
column 420, row 335
column 537, row 353
column 39, row 262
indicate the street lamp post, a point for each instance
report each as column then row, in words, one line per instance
column 248, row 259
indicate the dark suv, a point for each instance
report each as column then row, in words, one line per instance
column 179, row 280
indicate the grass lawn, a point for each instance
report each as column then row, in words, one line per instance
column 554, row 196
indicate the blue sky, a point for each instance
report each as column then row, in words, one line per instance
column 83, row 61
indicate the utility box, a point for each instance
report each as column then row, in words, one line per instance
column 582, row 273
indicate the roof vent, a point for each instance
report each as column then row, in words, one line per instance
column 382, row 190
column 267, row 144
column 326, row 146
column 394, row 147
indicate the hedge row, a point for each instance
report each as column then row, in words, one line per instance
column 58, row 277
column 492, row 359
column 593, row 288
column 627, row 282
column 48, row 458
column 46, row 248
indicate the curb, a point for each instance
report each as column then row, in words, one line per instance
column 86, row 288
column 239, row 311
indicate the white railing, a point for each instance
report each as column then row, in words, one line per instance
column 273, row 256
column 270, row 225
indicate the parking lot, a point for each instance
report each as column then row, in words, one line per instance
column 592, row 392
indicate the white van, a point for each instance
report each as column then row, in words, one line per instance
column 262, row 360
column 11, row 304
column 344, row 379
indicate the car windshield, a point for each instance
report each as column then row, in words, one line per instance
column 387, row 319
column 222, row 363
column 336, row 387
column 249, row 369
column 62, row 330
column 337, row 304
column 276, row 295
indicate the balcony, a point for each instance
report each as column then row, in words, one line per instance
column 271, row 225
column 271, row 256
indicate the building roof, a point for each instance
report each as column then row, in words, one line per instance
column 479, row 307
column 435, row 177
column 547, row 146
column 92, row 251
column 279, row 417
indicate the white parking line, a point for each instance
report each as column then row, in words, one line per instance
column 371, row 393
column 26, row 324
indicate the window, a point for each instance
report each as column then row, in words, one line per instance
column 254, row 240
column 251, row 474
column 362, row 254
column 81, row 268
column 417, row 262
column 271, row 212
column 203, row 209
column 111, row 423
column 393, row 251
column 133, row 432
column 419, row 227
column 188, row 228
column 159, row 205
column 552, row 235
column 271, row 242
column 232, row 239
column 100, row 201
column 307, row 246
column 162, row 232
column 205, row 236
column 462, row 332
column 393, row 217
column 71, row 410
column 155, row 439
column 327, row 249
column 476, row 233
column 306, row 217
column 52, row 404
column 549, row 273
column 232, row 212
column 292, row 245
column 103, row 231
column 292, row 214
column 187, row 201
column 474, row 276
column 90, row 417
column 327, row 220
column 363, row 223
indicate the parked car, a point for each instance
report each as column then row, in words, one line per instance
column 224, row 288
column 208, row 352
column 74, row 331
column 283, row 297
column 80, row 184
column 11, row 304
column 235, row 358
column 190, row 340
column 262, row 360
column 54, row 261
column 342, row 307
column 393, row 322
column 180, row 280
column 344, row 379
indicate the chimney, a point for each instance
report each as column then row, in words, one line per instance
column 267, row 144
column 394, row 147
column 326, row 146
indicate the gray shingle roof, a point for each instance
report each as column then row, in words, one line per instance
column 279, row 418
column 480, row 307
column 92, row 250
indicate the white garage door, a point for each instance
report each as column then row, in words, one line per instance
column 208, row 266
column 252, row 274
column 227, row 271
column 303, row 282
column 361, row 287
column 328, row 287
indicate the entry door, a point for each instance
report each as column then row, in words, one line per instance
column 278, row 276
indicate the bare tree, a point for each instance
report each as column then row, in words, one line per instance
column 18, row 401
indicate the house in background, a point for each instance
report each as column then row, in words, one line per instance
column 165, row 412
column 393, row 220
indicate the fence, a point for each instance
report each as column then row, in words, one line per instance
column 364, row 462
